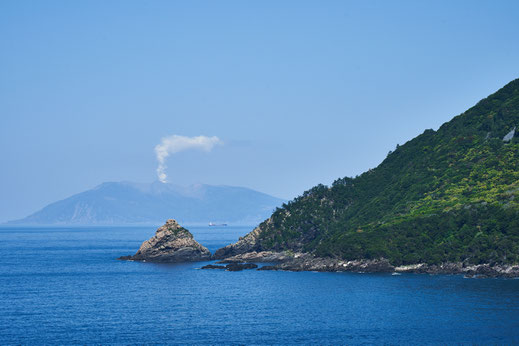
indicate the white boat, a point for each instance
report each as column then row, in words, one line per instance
column 212, row 224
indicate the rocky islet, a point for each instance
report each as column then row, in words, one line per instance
column 171, row 243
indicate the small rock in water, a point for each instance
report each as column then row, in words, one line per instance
column 234, row 267
column 212, row 266
column 269, row 267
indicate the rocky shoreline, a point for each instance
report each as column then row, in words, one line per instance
column 249, row 249
column 288, row 261
column 173, row 243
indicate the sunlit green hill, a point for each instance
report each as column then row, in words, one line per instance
column 446, row 195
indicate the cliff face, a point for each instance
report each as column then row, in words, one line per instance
column 171, row 243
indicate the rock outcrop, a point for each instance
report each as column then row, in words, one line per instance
column 171, row 243
column 509, row 135
column 469, row 270
column 232, row 267
column 299, row 261
column 212, row 266
column 307, row 262
column 262, row 256
column 246, row 244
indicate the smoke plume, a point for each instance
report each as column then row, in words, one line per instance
column 174, row 144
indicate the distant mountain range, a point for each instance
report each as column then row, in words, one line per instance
column 114, row 203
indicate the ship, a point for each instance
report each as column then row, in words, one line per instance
column 212, row 224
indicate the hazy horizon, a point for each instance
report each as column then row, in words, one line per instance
column 276, row 97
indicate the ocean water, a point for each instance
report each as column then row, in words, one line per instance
column 65, row 286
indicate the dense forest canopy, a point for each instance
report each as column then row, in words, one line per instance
column 446, row 195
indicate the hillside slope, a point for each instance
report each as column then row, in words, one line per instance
column 445, row 196
column 130, row 203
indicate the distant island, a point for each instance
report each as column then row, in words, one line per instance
column 123, row 203
column 447, row 201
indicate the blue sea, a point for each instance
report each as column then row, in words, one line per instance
column 65, row 286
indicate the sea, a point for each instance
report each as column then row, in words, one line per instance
column 63, row 285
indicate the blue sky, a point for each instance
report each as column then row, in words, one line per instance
column 300, row 92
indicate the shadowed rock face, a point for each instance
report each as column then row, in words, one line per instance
column 232, row 267
column 171, row 243
column 244, row 245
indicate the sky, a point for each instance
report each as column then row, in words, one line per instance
column 297, row 92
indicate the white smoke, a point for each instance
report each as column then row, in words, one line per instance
column 174, row 144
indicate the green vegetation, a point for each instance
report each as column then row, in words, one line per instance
column 446, row 195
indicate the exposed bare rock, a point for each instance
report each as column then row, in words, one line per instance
column 212, row 266
column 262, row 256
column 308, row 262
column 478, row 270
column 290, row 261
column 236, row 267
column 248, row 243
column 508, row 137
column 232, row 267
column 171, row 243
column 298, row 261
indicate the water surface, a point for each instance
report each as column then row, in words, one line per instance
column 63, row 286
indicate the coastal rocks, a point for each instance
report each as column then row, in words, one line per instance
column 308, row 262
column 246, row 244
column 381, row 265
column 171, row 243
column 212, row 266
column 412, row 268
column 232, row 267
column 298, row 261
column 478, row 270
column 262, row 256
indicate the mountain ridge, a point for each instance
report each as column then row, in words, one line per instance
column 119, row 203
